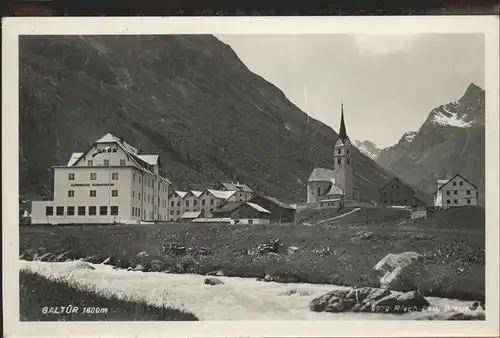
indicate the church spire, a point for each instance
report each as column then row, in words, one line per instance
column 342, row 131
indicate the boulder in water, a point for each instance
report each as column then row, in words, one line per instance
column 401, row 272
column 213, row 281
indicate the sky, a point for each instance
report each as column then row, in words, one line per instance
column 388, row 83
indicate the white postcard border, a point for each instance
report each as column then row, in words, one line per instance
column 13, row 27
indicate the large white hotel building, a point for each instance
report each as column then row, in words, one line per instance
column 109, row 183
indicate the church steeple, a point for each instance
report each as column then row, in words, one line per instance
column 342, row 131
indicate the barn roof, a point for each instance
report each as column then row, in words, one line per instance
column 221, row 194
column 275, row 202
column 228, row 207
column 258, row 208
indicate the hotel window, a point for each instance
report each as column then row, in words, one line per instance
column 187, row 203
column 212, row 201
column 455, row 192
column 461, row 182
column 114, row 210
column 133, row 177
column 195, row 202
column 103, row 210
column 202, row 202
column 448, row 193
column 106, row 163
column 172, row 204
column 71, row 211
column 71, row 176
column 81, row 211
column 93, row 176
column 71, row 193
column 178, row 212
column 109, row 150
column 144, row 213
column 148, row 198
column 122, row 162
column 171, row 212
column 139, row 196
column 133, row 211
column 455, row 201
column 178, row 203
column 139, row 211
column 385, row 201
column 93, row 210
column 454, row 183
column 448, row 201
column 114, row 150
column 339, row 161
column 90, row 163
column 250, row 221
column 114, row 193
column 49, row 211
column 92, row 193
column 133, row 193
column 339, row 151
column 468, row 192
column 468, row 201
column 140, row 179
column 114, row 176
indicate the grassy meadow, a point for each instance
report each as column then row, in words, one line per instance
column 342, row 252
column 38, row 293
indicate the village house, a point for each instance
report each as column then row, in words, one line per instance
column 243, row 192
column 455, row 192
column 397, row 193
column 205, row 201
column 176, row 202
column 280, row 212
column 244, row 213
column 111, row 182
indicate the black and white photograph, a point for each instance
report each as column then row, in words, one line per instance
column 199, row 174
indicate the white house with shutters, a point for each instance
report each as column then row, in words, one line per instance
column 455, row 192
column 111, row 182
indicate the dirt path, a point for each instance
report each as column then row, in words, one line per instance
column 334, row 218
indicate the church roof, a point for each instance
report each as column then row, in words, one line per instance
column 334, row 190
column 342, row 131
column 322, row 175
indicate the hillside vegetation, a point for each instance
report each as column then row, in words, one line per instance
column 188, row 98
column 342, row 253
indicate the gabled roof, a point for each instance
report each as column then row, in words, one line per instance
column 221, row 194
column 275, row 202
column 74, row 158
column 334, row 190
column 236, row 186
column 128, row 149
column 228, row 207
column 179, row 193
column 150, row 159
column 110, row 138
column 417, row 193
column 451, row 179
column 257, row 207
column 196, row 193
column 322, row 175
column 232, row 206
column 192, row 214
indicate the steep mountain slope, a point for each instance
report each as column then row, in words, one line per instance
column 188, row 98
column 368, row 148
column 451, row 140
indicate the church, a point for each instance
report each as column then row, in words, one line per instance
column 334, row 188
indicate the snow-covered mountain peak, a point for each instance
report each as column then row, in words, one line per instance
column 447, row 115
column 368, row 148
